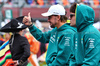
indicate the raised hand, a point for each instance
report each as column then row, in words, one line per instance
column 27, row 20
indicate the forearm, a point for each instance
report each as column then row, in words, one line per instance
column 26, row 51
column 39, row 35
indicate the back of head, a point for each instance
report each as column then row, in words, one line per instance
column 73, row 7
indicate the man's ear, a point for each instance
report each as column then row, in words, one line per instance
column 59, row 17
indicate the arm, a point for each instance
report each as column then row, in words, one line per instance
column 42, row 37
column 92, row 51
column 25, row 45
column 64, row 51
column 39, row 35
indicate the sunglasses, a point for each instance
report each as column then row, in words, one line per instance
column 71, row 15
column 49, row 17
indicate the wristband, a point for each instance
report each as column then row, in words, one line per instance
column 30, row 25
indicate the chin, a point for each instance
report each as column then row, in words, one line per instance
column 52, row 26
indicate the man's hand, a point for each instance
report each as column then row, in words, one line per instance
column 27, row 20
column 16, row 63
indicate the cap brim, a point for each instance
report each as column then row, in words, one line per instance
column 46, row 14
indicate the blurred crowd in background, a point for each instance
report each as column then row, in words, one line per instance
column 46, row 3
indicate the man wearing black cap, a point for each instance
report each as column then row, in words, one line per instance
column 19, row 46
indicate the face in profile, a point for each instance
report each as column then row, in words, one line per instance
column 72, row 19
column 53, row 20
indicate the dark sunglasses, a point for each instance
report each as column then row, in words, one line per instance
column 49, row 17
column 71, row 15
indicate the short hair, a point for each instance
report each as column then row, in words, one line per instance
column 63, row 18
column 73, row 7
